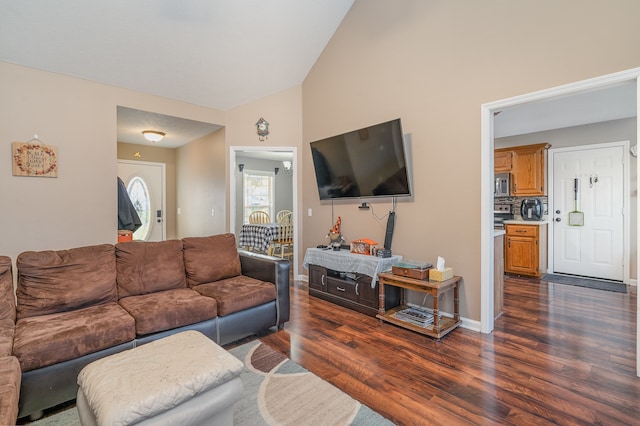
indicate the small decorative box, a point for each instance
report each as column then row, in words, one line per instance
column 435, row 275
column 124, row 235
column 419, row 271
column 363, row 246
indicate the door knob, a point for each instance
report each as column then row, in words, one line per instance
column 557, row 211
column 558, row 219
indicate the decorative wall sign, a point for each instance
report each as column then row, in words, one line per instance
column 35, row 159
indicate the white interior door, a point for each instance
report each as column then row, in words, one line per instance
column 595, row 249
column 145, row 183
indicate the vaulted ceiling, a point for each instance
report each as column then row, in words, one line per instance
column 214, row 53
column 219, row 54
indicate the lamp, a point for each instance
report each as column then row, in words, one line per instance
column 153, row 135
column 288, row 166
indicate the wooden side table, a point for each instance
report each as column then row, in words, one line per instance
column 440, row 326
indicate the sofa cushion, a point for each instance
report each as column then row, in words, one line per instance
column 63, row 280
column 238, row 293
column 168, row 309
column 7, row 332
column 9, row 390
column 209, row 259
column 148, row 267
column 49, row 339
column 7, row 307
column 7, row 295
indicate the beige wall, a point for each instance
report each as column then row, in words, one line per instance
column 597, row 133
column 79, row 117
column 195, row 182
column 201, row 186
column 156, row 154
column 433, row 63
column 283, row 111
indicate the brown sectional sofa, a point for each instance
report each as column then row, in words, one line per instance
column 78, row 305
column 9, row 366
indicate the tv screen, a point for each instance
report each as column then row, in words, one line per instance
column 364, row 163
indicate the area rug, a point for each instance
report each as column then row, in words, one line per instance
column 277, row 391
column 586, row 282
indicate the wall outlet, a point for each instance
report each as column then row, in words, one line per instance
column 309, row 212
column 179, row 210
column 213, row 212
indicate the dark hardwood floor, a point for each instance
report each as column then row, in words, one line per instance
column 559, row 354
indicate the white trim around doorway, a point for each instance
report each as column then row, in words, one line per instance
column 486, row 188
column 233, row 167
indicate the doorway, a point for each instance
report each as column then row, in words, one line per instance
column 276, row 155
column 488, row 111
column 593, row 181
column 147, row 180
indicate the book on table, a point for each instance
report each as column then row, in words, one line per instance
column 417, row 316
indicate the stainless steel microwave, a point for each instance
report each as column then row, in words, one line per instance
column 502, row 185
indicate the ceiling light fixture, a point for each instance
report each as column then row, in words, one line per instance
column 153, row 135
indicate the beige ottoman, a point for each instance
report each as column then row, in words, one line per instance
column 183, row 379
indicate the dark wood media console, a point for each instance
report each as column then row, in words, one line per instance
column 350, row 290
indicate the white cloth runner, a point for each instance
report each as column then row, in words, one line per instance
column 139, row 383
column 345, row 261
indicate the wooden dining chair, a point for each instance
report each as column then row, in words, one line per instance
column 283, row 215
column 283, row 243
column 259, row 217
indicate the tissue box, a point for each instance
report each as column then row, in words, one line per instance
column 435, row 275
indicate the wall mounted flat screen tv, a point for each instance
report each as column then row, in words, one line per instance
column 364, row 163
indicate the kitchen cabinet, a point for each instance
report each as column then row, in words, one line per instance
column 528, row 170
column 527, row 167
column 502, row 161
column 526, row 249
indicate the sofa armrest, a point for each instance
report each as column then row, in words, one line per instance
column 271, row 269
column 7, row 292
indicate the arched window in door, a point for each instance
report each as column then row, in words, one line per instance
column 139, row 194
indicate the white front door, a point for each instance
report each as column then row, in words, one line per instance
column 595, row 249
column 145, row 183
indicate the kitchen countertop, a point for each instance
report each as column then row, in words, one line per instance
column 526, row 222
